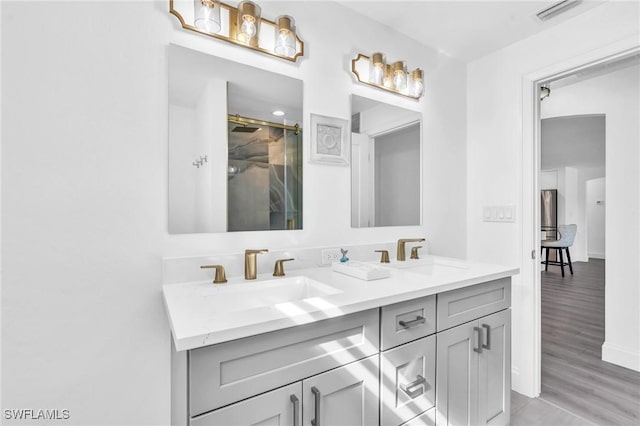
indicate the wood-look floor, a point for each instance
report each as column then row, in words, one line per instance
column 574, row 376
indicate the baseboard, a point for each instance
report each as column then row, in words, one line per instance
column 620, row 356
column 596, row 255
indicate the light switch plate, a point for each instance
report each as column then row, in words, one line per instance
column 505, row 213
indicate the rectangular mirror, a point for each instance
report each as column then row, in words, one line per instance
column 386, row 159
column 235, row 146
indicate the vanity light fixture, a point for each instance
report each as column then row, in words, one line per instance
column 545, row 91
column 393, row 77
column 242, row 25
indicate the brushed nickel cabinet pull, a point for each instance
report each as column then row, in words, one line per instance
column 418, row 382
column 478, row 333
column 488, row 328
column 296, row 409
column 317, row 396
column 409, row 324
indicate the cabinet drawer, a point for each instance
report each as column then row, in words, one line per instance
column 456, row 307
column 228, row 372
column 407, row 321
column 425, row 419
column 281, row 407
column 408, row 378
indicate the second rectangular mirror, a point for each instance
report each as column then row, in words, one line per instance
column 386, row 159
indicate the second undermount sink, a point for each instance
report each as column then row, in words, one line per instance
column 262, row 293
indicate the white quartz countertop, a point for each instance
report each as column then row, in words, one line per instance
column 199, row 316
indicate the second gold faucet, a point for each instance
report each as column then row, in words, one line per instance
column 250, row 264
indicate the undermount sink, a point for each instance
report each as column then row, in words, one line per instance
column 262, row 293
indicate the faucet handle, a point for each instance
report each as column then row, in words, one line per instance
column 384, row 256
column 414, row 252
column 278, row 269
column 220, row 277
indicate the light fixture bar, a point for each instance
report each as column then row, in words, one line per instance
column 556, row 9
column 391, row 77
column 236, row 25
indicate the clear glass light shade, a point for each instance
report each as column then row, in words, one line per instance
column 248, row 22
column 399, row 76
column 417, row 83
column 207, row 15
column 285, row 42
column 388, row 77
column 376, row 69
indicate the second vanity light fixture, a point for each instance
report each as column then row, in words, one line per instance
column 393, row 77
column 242, row 25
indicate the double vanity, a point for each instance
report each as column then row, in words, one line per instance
column 428, row 344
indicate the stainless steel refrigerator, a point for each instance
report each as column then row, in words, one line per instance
column 549, row 213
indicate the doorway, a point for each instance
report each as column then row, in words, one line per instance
column 603, row 60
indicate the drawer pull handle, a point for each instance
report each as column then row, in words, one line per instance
column 408, row 324
column 418, row 382
column 317, row 396
column 478, row 332
column 296, row 409
column 488, row 328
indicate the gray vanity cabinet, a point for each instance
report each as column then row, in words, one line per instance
column 442, row 359
column 474, row 372
column 345, row 396
column 281, row 407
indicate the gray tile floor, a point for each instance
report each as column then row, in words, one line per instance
column 538, row 412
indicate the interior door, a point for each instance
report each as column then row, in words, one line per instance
column 457, row 375
column 346, row 396
column 494, row 374
column 281, row 407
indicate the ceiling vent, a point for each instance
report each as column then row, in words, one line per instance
column 556, row 9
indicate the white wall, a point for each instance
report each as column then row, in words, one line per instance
column 617, row 95
column 494, row 155
column 84, row 188
column 596, row 204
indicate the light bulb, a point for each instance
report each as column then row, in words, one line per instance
column 248, row 26
column 418, row 88
column 399, row 76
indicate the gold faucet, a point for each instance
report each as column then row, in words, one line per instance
column 250, row 265
column 401, row 242
column 414, row 252
column 384, row 255
column 278, row 269
column 220, row 277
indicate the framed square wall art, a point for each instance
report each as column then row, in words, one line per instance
column 330, row 140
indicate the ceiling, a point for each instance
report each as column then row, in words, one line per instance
column 466, row 30
column 573, row 141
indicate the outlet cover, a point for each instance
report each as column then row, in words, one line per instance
column 331, row 255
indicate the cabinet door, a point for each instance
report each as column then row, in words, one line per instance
column 408, row 381
column 494, row 370
column 345, row 396
column 281, row 407
column 457, row 375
